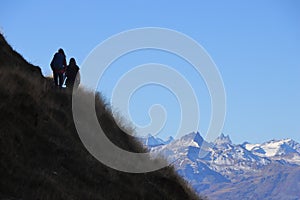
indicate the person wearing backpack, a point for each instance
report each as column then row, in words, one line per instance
column 58, row 66
column 72, row 74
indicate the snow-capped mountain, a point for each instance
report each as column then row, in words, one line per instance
column 286, row 149
column 275, row 147
column 211, row 167
column 223, row 141
column 152, row 141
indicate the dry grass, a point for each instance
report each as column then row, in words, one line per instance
column 41, row 155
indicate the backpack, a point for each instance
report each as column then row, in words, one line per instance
column 57, row 62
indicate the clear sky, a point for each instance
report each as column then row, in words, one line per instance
column 255, row 44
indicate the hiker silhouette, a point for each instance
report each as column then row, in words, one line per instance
column 58, row 66
column 72, row 74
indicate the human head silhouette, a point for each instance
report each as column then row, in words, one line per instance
column 72, row 61
column 61, row 51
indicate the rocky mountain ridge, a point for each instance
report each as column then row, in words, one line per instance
column 223, row 170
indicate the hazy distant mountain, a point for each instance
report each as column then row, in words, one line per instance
column 287, row 150
column 152, row 141
column 223, row 170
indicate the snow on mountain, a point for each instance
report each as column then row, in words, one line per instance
column 211, row 166
column 286, row 149
column 221, row 156
column 191, row 146
column 276, row 147
column 152, row 141
column 223, row 141
column 199, row 175
column 236, row 160
column 169, row 140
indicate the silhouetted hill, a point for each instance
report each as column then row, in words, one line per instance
column 41, row 155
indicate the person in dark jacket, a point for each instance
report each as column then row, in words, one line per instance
column 73, row 76
column 58, row 66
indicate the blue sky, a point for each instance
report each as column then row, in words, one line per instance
column 255, row 44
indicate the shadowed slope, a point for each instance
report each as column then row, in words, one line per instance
column 41, row 155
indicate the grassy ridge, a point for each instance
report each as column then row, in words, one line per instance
column 41, row 155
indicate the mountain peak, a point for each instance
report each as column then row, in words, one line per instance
column 169, row 139
column 198, row 139
column 154, row 141
column 193, row 137
column 222, row 139
column 275, row 148
column 210, row 167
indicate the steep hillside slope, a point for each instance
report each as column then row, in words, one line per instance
column 41, row 155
